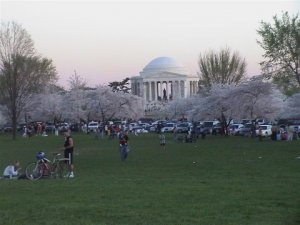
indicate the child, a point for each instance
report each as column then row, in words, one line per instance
column 162, row 140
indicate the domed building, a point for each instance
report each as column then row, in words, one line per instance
column 164, row 79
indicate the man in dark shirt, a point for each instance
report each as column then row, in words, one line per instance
column 68, row 151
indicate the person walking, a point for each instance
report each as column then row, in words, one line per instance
column 68, row 151
column 174, row 133
column 123, row 145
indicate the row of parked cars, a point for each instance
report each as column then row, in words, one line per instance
column 159, row 126
column 249, row 129
column 207, row 127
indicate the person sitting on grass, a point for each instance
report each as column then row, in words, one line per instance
column 12, row 171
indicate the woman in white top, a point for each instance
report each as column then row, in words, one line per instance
column 12, row 171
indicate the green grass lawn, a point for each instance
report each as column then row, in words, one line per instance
column 234, row 181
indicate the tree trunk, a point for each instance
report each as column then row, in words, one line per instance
column 14, row 124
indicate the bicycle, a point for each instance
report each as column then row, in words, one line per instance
column 57, row 168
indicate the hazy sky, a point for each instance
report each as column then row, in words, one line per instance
column 106, row 41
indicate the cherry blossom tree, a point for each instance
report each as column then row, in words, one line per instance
column 293, row 107
column 178, row 108
column 259, row 99
column 108, row 105
column 48, row 107
column 220, row 104
column 252, row 99
column 101, row 104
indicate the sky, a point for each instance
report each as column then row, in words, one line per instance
column 105, row 41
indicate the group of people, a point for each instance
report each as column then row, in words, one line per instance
column 34, row 129
column 13, row 171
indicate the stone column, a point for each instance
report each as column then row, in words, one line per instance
column 193, row 87
column 172, row 89
column 145, row 91
column 182, row 89
column 138, row 89
column 161, row 90
column 150, row 91
column 155, row 90
column 176, row 89
column 167, row 89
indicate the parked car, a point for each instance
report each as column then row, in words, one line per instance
column 169, row 127
column 93, row 126
column 245, row 130
column 207, row 126
column 139, row 129
column 50, row 127
column 235, row 129
column 266, row 130
column 7, row 128
column 153, row 128
column 183, row 127
column 146, row 126
column 216, row 129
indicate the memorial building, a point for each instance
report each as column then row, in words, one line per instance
column 163, row 79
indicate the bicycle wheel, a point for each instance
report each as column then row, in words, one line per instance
column 63, row 170
column 34, row 171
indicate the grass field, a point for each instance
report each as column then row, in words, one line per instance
column 234, row 181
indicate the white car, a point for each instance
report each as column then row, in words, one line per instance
column 169, row 127
column 93, row 126
column 234, row 129
column 266, row 130
column 138, row 130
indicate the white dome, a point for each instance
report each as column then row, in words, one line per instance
column 163, row 64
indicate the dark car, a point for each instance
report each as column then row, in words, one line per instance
column 50, row 127
column 246, row 130
column 75, row 127
column 217, row 129
column 7, row 128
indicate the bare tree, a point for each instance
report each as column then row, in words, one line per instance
column 22, row 71
column 77, row 82
column 221, row 68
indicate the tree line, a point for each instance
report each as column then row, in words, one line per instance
column 28, row 81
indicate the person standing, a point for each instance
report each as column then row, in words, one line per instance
column 290, row 131
column 260, row 133
column 68, row 151
column 162, row 140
